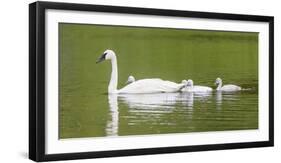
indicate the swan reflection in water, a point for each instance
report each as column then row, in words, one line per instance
column 112, row 124
column 150, row 101
column 152, row 105
column 225, row 97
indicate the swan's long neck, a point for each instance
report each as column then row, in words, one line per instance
column 112, row 87
column 219, row 85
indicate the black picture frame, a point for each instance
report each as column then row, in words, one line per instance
column 37, row 80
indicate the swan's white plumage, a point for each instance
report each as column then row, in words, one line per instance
column 155, row 85
column 226, row 88
column 230, row 87
column 194, row 88
column 198, row 88
column 140, row 86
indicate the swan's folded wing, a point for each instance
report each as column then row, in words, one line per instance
column 230, row 87
column 201, row 88
column 150, row 86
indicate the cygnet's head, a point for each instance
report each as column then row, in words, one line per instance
column 187, row 83
column 131, row 79
column 107, row 55
column 218, row 81
column 184, row 82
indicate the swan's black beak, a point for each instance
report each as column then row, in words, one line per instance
column 101, row 58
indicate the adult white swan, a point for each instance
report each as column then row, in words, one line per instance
column 139, row 86
column 194, row 88
column 226, row 88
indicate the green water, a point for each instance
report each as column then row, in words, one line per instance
column 86, row 110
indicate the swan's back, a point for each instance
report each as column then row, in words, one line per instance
column 230, row 87
column 155, row 85
column 198, row 88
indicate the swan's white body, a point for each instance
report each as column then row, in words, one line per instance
column 139, row 86
column 226, row 88
column 195, row 88
column 151, row 86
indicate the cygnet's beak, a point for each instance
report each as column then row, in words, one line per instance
column 101, row 58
